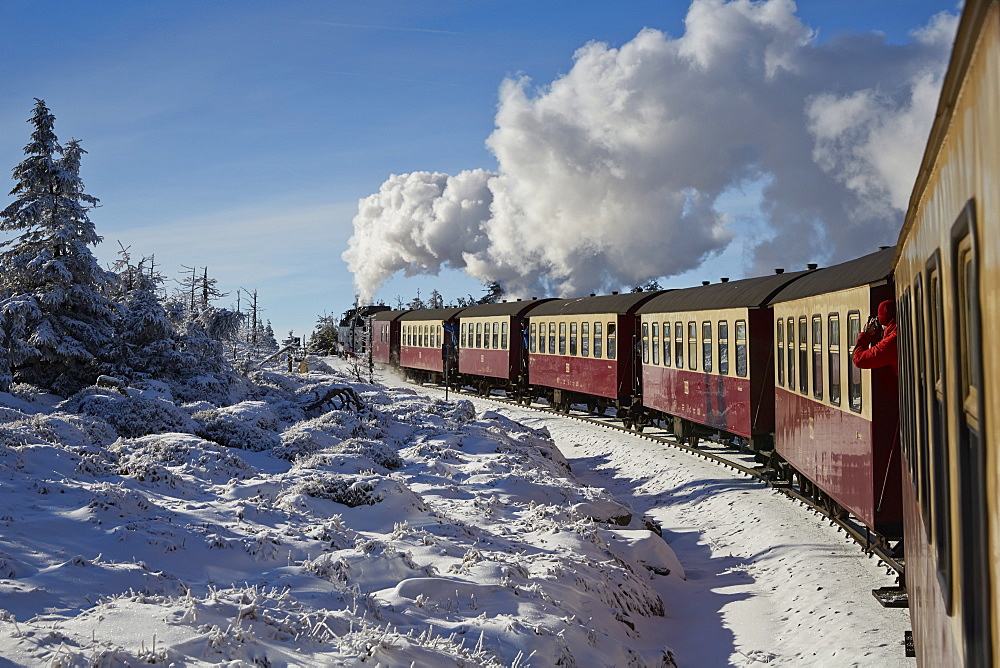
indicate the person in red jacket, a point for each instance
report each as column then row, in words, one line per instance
column 876, row 346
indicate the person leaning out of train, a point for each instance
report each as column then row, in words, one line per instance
column 876, row 346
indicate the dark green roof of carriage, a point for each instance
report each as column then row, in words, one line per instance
column 389, row 315
column 620, row 304
column 745, row 293
column 516, row 307
column 438, row 314
column 866, row 270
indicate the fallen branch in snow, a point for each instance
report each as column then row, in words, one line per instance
column 346, row 395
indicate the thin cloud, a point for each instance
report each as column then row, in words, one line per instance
column 387, row 28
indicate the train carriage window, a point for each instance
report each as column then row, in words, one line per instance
column 541, row 337
column 666, row 344
column 741, row 348
column 723, row 347
column 781, row 353
column 692, row 336
column 532, row 341
column 833, row 356
column 479, row 335
column 817, row 350
column 573, row 338
column 552, row 338
column 496, row 336
column 440, row 335
column 940, row 460
column 562, row 338
column 585, row 339
column 803, row 355
column 655, row 345
column 790, row 331
column 854, row 382
column 974, row 497
column 679, row 345
column 645, row 343
column 706, row 347
column 486, row 334
column 598, row 340
column 503, row 335
column 612, row 341
column 918, row 463
column 465, row 332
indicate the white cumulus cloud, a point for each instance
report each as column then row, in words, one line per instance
column 611, row 174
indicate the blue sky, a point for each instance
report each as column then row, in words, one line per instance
column 240, row 135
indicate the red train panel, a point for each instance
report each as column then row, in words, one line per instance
column 852, row 459
column 386, row 340
column 599, row 377
column 484, row 362
column 427, row 359
column 722, row 402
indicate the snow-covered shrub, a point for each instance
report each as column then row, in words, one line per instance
column 333, row 531
column 193, row 407
column 360, row 454
column 275, row 380
column 10, row 459
column 130, row 416
column 234, row 430
column 66, row 428
column 348, row 490
column 120, row 500
column 189, row 454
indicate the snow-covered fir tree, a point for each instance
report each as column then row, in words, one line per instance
column 56, row 323
column 145, row 342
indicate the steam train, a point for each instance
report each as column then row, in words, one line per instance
column 767, row 361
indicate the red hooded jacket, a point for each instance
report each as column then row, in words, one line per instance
column 868, row 355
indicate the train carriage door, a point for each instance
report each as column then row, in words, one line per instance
column 974, row 536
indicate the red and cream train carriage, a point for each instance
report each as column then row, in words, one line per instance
column 836, row 425
column 948, row 304
column 424, row 334
column 584, row 350
column 706, row 358
column 491, row 346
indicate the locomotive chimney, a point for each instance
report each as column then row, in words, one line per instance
column 779, row 271
column 812, row 266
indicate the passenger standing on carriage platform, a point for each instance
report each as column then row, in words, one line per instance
column 876, row 346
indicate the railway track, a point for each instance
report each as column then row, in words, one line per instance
column 872, row 545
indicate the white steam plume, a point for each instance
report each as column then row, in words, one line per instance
column 611, row 174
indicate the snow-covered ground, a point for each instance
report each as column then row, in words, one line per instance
column 286, row 530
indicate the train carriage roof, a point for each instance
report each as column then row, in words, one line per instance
column 865, row 270
column 746, row 293
column 389, row 315
column 620, row 304
column 516, row 307
column 437, row 314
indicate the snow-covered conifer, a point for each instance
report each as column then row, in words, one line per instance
column 55, row 319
